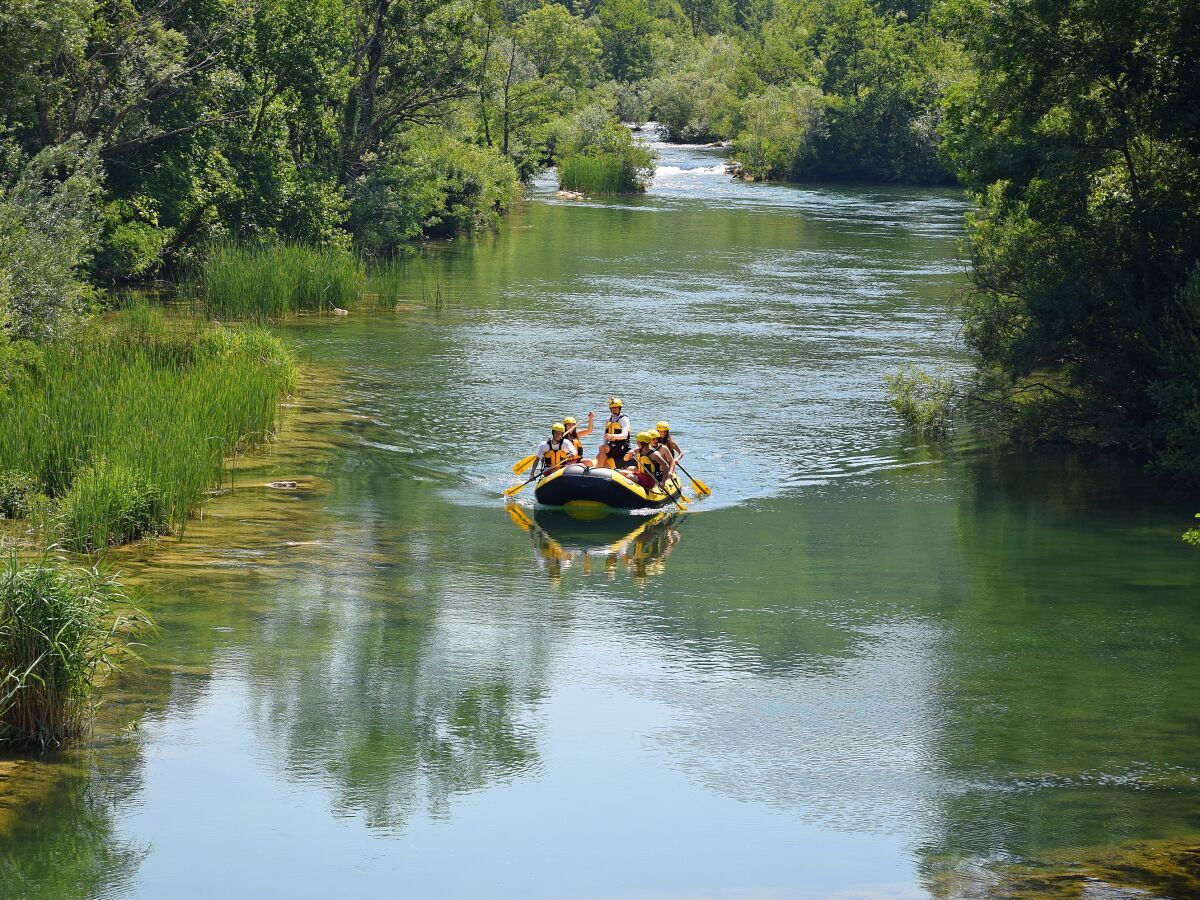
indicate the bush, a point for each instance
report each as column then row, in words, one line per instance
column 17, row 492
column 429, row 184
column 109, row 504
column 693, row 108
column 599, row 155
column 1192, row 535
column 62, row 630
column 48, row 211
column 275, row 279
column 925, row 402
column 779, row 131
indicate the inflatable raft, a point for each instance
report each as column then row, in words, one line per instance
column 578, row 485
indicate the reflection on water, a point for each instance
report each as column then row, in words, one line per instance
column 861, row 668
column 599, row 543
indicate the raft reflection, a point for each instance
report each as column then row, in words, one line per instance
column 607, row 545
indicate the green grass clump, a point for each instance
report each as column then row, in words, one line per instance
column 605, row 173
column 62, row 630
column 271, row 280
column 109, row 504
column 129, row 424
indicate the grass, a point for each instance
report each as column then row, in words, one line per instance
column 605, row 173
column 129, row 424
column 62, row 630
column 272, row 280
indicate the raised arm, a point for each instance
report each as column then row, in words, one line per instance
column 591, row 426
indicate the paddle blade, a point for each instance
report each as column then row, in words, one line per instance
column 515, row 489
column 701, row 489
column 521, row 466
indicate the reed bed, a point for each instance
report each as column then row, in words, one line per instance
column 272, row 280
column 129, row 425
column 605, row 173
column 387, row 282
column 63, row 629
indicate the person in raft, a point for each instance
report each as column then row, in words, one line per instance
column 557, row 451
column 649, row 468
column 615, row 446
column 666, row 445
column 573, row 434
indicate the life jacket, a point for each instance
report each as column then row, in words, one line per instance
column 648, row 465
column 553, row 457
column 573, row 437
column 614, row 425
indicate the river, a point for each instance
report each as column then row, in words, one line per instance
column 861, row 668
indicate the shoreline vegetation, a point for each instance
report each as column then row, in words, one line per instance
column 118, row 430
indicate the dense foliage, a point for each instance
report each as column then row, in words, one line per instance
column 1078, row 139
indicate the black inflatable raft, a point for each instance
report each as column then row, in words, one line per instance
column 578, row 485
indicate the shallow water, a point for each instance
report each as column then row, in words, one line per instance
column 860, row 667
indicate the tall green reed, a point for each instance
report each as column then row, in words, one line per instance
column 270, row 280
column 62, row 630
column 131, row 423
column 605, row 173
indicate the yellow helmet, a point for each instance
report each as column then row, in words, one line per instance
column 644, row 437
column 663, row 426
column 557, row 428
column 569, row 421
column 614, row 401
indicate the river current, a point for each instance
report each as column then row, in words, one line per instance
column 863, row 667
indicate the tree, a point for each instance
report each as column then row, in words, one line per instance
column 1079, row 143
column 559, row 43
column 627, row 28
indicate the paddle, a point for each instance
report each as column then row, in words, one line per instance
column 701, row 489
column 521, row 466
column 517, row 488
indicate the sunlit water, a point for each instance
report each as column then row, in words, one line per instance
column 858, row 666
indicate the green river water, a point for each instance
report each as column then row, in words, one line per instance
column 862, row 668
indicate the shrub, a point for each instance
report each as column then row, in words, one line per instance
column 17, row 492
column 599, row 155
column 779, row 131
column 925, row 402
column 62, row 630
column 429, row 184
column 1192, row 535
column 48, row 211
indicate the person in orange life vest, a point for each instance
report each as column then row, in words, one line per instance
column 666, row 445
column 649, row 468
column 573, row 434
column 615, row 446
column 555, row 452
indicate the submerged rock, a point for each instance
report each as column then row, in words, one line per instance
column 570, row 195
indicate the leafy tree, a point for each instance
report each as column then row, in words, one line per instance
column 1078, row 140
column 627, row 29
column 780, row 131
column 559, row 43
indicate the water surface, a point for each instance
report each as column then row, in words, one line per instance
column 860, row 665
